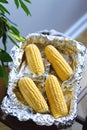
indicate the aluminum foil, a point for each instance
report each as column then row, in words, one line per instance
column 74, row 53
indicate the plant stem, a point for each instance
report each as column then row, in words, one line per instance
column 2, row 63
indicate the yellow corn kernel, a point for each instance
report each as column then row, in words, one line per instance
column 34, row 59
column 32, row 95
column 62, row 68
column 55, row 97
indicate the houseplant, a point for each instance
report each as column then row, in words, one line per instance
column 8, row 30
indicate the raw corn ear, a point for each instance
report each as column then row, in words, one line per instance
column 62, row 68
column 32, row 95
column 34, row 59
column 55, row 97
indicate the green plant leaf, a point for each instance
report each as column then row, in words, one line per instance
column 4, row 39
column 1, row 32
column 4, row 56
column 25, row 8
column 7, row 20
column 14, row 30
column 4, row 1
column 28, row 1
column 18, row 38
column 13, row 41
column 3, row 9
column 1, row 71
column 16, row 3
column 3, row 74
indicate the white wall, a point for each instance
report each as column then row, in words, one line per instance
column 47, row 14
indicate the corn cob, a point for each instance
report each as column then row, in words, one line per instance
column 62, row 68
column 32, row 95
column 55, row 97
column 34, row 59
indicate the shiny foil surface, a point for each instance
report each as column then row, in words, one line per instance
column 74, row 52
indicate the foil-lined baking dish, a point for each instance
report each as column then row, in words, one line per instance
column 74, row 52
